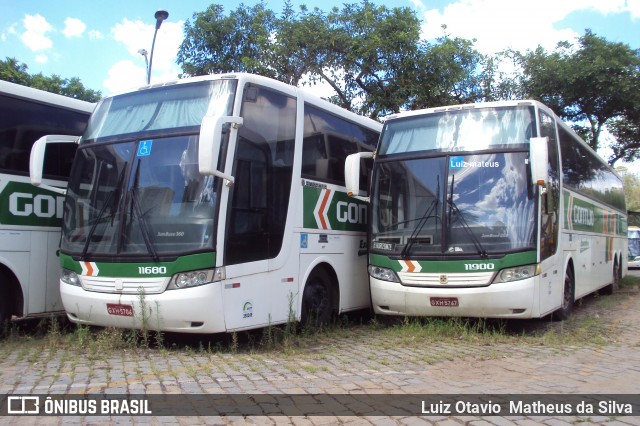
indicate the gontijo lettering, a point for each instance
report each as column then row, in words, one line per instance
column 41, row 205
column 351, row 212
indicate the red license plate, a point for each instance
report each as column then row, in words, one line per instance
column 121, row 310
column 450, row 302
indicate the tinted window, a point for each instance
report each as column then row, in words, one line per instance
column 328, row 140
column 23, row 122
column 587, row 173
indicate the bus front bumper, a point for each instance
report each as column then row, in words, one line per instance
column 505, row 300
column 191, row 310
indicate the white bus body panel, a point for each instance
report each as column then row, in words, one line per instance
column 494, row 301
column 177, row 310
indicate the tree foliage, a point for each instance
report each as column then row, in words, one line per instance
column 13, row 71
column 594, row 82
column 370, row 55
column 374, row 59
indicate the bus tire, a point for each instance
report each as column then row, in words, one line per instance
column 317, row 310
column 609, row 289
column 568, row 297
column 5, row 304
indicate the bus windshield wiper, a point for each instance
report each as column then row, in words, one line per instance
column 422, row 221
column 453, row 208
column 113, row 195
column 144, row 225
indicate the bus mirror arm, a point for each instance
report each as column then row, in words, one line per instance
column 352, row 174
column 36, row 160
column 210, row 143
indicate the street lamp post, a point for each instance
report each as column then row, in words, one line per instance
column 160, row 16
column 143, row 52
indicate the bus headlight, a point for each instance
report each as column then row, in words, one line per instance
column 384, row 274
column 193, row 279
column 517, row 273
column 69, row 277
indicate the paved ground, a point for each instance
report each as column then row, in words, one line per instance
column 355, row 363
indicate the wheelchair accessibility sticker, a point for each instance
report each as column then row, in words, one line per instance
column 144, row 148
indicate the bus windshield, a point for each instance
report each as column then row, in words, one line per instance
column 462, row 205
column 460, row 130
column 144, row 196
column 172, row 108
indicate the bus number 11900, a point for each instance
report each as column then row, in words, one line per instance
column 479, row 266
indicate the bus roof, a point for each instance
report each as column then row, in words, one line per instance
column 278, row 85
column 459, row 107
column 498, row 104
column 41, row 96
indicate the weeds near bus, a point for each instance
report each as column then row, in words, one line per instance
column 590, row 324
column 144, row 317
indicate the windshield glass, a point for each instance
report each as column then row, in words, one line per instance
column 462, row 130
column 141, row 194
column 164, row 206
column 468, row 205
column 175, row 108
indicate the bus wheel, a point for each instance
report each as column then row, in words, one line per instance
column 568, row 296
column 316, row 301
column 608, row 290
column 5, row 306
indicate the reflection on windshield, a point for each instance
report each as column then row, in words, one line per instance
column 486, row 208
column 166, row 108
column 462, row 130
column 164, row 206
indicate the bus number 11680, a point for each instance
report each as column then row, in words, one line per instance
column 152, row 270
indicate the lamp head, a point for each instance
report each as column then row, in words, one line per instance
column 160, row 16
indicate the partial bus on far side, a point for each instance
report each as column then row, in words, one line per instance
column 30, row 217
column 213, row 204
column 490, row 210
column 634, row 247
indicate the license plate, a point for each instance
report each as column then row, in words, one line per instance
column 444, row 301
column 121, row 310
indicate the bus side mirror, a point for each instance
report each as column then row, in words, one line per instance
column 210, row 143
column 352, row 174
column 36, row 160
column 539, row 160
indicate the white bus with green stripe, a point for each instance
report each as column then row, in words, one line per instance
column 489, row 210
column 30, row 217
column 214, row 204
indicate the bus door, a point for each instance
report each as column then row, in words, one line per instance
column 256, row 212
column 552, row 273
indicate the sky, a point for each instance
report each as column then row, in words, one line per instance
column 99, row 42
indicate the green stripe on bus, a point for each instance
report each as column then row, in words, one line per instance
column 327, row 209
column 583, row 215
column 24, row 204
column 144, row 269
column 456, row 266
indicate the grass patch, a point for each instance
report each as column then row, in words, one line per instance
column 590, row 324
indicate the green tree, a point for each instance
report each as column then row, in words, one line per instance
column 215, row 43
column 366, row 53
column 593, row 82
column 449, row 71
column 13, row 71
column 627, row 134
column 631, row 184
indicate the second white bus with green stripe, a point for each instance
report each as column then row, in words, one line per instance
column 489, row 210
column 214, row 204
